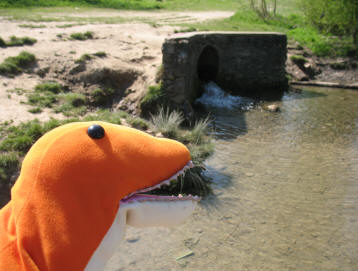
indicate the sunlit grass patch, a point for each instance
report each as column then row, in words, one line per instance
column 15, row 65
column 82, row 36
column 167, row 122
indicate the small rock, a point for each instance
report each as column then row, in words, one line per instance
column 273, row 108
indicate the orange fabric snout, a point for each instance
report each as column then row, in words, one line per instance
column 69, row 189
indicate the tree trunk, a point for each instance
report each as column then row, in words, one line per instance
column 274, row 7
column 355, row 27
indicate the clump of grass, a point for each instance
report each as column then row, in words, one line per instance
column 82, row 36
column 138, row 123
column 52, row 87
column 187, row 29
column 15, row 65
column 17, row 41
column 9, row 164
column 298, row 59
column 72, row 104
column 198, row 133
column 149, row 103
column 32, row 25
column 100, row 54
column 102, row 96
column 35, row 110
column 18, row 91
column 83, row 58
column 166, row 122
column 2, row 43
column 42, row 99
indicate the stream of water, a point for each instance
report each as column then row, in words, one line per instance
column 285, row 193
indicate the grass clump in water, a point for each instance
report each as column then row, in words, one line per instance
column 15, row 65
column 82, row 36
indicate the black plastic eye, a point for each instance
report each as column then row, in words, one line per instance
column 95, row 131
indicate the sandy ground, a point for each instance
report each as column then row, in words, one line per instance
column 133, row 46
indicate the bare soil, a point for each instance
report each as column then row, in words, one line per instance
column 133, row 56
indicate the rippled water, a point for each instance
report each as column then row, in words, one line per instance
column 286, row 193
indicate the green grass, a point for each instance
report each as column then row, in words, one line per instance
column 9, row 163
column 15, row 65
column 52, row 87
column 17, row 41
column 102, row 96
column 167, row 122
column 100, row 54
column 138, row 123
column 83, row 58
column 32, row 25
column 2, row 43
column 82, row 36
column 298, row 59
column 116, row 4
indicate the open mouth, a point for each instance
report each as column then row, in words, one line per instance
column 149, row 193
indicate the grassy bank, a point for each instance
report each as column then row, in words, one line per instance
column 294, row 25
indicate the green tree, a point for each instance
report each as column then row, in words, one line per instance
column 339, row 17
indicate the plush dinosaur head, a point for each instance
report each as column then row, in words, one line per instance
column 71, row 185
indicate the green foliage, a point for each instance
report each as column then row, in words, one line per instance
column 9, row 163
column 154, row 93
column 15, row 65
column 339, row 17
column 138, row 123
column 102, row 97
column 298, row 59
column 35, row 110
column 117, row 4
column 52, row 87
column 2, row 43
column 82, row 36
column 167, row 122
column 32, row 25
column 17, row 41
column 100, row 54
column 83, row 58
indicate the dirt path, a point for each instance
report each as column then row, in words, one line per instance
column 134, row 46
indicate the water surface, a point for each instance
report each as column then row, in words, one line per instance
column 286, row 193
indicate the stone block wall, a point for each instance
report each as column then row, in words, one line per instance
column 241, row 63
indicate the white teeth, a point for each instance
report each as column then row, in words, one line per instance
column 189, row 165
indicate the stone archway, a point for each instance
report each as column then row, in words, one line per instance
column 208, row 64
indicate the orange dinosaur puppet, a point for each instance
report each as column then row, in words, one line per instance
column 79, row 186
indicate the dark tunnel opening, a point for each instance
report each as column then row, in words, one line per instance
column 208, row 64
